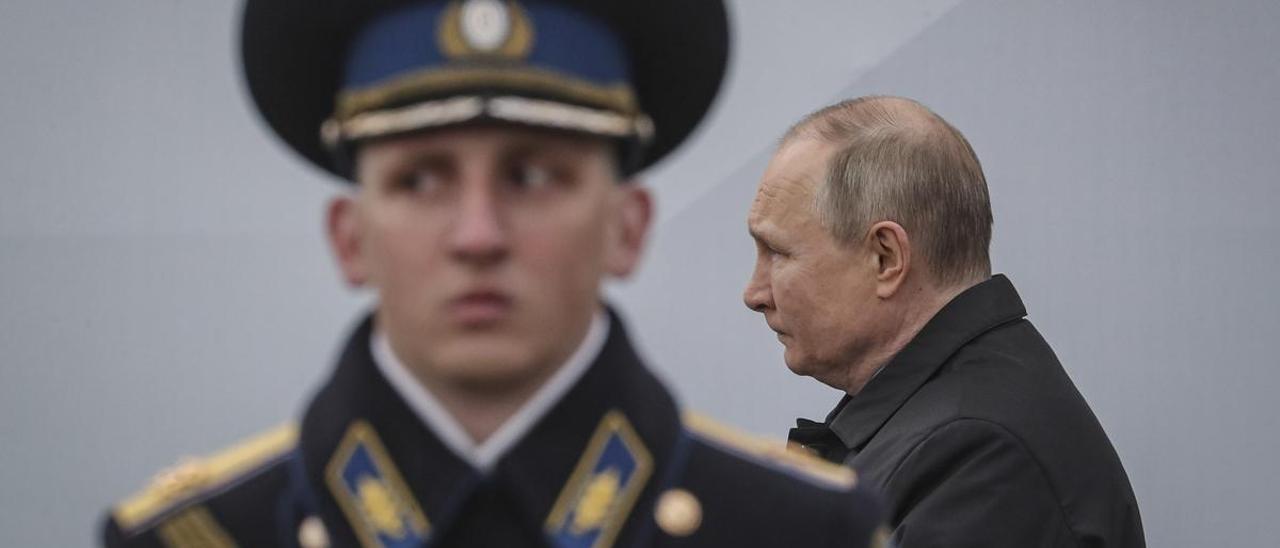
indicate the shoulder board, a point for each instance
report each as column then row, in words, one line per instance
column 773, row 454
column 193, row 477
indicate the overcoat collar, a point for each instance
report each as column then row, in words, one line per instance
column 973, row 312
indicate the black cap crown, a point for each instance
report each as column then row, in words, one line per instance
column 326, row 74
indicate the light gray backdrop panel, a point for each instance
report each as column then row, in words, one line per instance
column 165, row 289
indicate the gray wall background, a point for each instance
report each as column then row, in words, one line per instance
column 165, row 288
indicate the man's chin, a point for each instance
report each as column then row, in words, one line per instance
column 797, row 365
column 805, row 366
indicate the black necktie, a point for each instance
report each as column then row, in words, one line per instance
column 818, row 438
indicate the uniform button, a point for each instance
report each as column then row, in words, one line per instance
column 679, row 513
column 312, row 534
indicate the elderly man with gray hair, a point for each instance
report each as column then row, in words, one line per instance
column 872, row 226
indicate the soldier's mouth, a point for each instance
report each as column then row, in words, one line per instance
column 480, row 308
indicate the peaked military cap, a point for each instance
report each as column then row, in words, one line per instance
column 327, row 75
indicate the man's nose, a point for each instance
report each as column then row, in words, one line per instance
column 757, row 295
column 480, row 234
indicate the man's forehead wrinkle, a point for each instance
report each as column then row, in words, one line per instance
column 766, row 201
column 783, row 186
column 778, row 203
column 756, row 216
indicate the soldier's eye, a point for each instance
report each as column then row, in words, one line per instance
column 421, row 180
column 529, row 176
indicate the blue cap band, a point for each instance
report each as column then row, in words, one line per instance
column 436, row 50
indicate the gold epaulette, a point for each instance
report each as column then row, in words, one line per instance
column 192, row 477
column 775, row 454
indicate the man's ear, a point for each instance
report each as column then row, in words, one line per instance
column 630, row 229
column 343, row 227
column 892, row 251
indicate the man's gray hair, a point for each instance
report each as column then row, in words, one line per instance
column 899, row 161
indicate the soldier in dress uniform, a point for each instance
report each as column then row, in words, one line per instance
column 491, row 398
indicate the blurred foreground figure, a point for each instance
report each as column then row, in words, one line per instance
column 491, row 399
column 872, row 226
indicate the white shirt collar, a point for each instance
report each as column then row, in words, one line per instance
column 444, row 425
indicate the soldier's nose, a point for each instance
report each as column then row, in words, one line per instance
column 479, row 233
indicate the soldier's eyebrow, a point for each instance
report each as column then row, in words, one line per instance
column 436, row 160
column 524, row 150
column 426, row 158
column 528, row 147
column 416, row 154
column 405, row 163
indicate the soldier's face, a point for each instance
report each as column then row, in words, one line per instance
column 816, row 293
column 487, row 246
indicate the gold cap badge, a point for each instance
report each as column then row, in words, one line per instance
column 485, row 28
column 485, row 24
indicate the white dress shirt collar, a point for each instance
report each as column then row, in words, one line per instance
column 483, row 456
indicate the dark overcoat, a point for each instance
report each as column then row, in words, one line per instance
column 978, row 438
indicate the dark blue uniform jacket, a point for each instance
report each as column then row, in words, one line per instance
column 612, row 464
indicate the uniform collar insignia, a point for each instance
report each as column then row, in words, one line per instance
column 372, row 494
column 598, row 497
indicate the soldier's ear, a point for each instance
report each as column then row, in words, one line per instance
column 633, row 213
column 343, row 226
